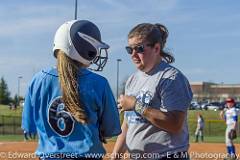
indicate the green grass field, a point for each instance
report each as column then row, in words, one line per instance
column 208, row 139
column 214, row 139
column 214, row 126
column 13, row 138
column 207, row 114
column 5, row 111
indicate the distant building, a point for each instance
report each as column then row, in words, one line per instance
column 207, row 91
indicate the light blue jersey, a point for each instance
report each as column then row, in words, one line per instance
column 44, row 112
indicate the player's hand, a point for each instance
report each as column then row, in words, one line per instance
column 221, row 114
column 232, row 134
column 126, row 103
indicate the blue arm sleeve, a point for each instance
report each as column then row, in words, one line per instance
column 235, row 118
column 28, row 123
column 110, row 122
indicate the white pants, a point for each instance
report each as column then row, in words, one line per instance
column 228, row 141
column 199, row 131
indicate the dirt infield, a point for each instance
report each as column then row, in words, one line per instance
column 198, row 151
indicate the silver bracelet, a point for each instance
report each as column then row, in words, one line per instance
column 140, row 107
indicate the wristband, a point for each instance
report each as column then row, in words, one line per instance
column 140, row 107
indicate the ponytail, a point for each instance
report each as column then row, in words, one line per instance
column 164, row 35
column 68, row 75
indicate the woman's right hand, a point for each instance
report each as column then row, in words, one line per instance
column 126, row 103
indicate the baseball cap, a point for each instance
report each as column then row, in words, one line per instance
column 230, row 100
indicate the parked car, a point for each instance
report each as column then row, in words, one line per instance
column 204, row 105
column 222, row 105
column 194, row 105
column 214, row 106
column 237, row 105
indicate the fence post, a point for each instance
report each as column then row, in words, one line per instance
column 209, row 128
column 14, row 125
column 3, row 125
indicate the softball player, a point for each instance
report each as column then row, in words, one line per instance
column 71, row 108
column 200, row 127
column 230, row 115
column 156, row 100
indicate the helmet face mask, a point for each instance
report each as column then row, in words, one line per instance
column 99, row 56
column 81, row 41
column 100, row 61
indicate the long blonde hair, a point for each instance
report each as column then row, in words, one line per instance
column 68, row 71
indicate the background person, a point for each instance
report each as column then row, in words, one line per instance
column 26, row 135
column 72, row 108
column 29, row 136
column 230, row 116
column 200, row 128
column 33, row 135
column 156, row 100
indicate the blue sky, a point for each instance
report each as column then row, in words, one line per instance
column 204, row 35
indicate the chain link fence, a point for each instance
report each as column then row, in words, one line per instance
column 10, row 125
column 211, row 127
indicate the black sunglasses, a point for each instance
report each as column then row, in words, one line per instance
column 138, row 48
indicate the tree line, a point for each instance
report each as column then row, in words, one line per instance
column 5, row 95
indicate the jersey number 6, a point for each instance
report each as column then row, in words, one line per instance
column 59, row 119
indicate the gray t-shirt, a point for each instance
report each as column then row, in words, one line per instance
column 166, row 89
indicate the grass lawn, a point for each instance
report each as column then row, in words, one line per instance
column 213, row 139
column 5, row 111
column 207, row 114
column 207, row 139
column 12, row 138
column 10, row 122
column 214, row 126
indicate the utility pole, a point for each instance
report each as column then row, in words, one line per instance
column 18, row 94
column 118, row 60
column 75, row 17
